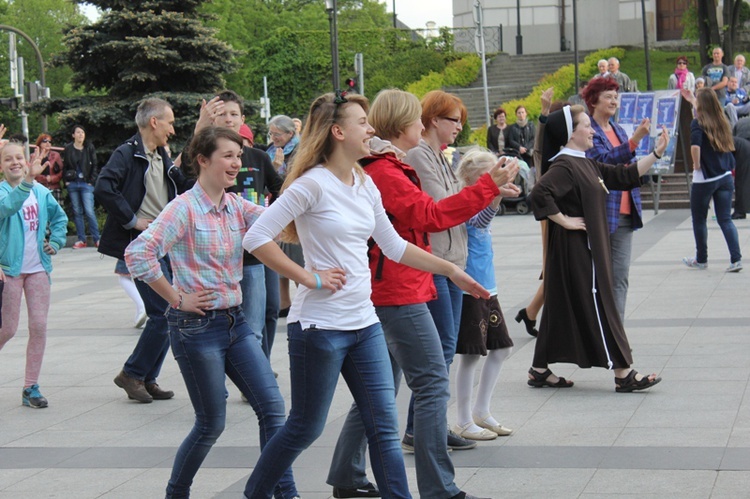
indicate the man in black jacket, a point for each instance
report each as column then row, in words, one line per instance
column 133, row 187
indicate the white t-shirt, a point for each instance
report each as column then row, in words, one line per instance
column 334, row 222
column 30, row 214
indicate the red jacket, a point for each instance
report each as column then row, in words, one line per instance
column 414, row 214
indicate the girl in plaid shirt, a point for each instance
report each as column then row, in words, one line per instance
column 202, row 231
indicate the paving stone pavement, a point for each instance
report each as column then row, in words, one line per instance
column 688, row 437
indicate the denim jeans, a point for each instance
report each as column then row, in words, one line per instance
column 316, row 357
column 145, row 362
column 273, row 302
column 207, row 348
column 253, row 287
column 700, row 195
column 415, row 347
column 621, row 249
column 446, row 312
column 81, row 197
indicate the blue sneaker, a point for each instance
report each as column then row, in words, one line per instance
column 31, row 397
column 694, row 264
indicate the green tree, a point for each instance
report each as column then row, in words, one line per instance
column 288, row 42
column 43, row 21
column 135, row 50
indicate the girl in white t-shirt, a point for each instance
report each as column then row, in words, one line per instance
column 27, row 210
column 332, row 207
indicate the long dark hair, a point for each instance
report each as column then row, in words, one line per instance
column 710, row 116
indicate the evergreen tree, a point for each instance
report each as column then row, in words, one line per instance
column 140, row 49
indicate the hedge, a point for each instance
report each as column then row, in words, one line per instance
column 459, row 73
column 563, row 81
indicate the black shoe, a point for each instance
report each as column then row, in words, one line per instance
column 407, row 444
column 530, row 325
column 738, row 216
column 456, row 442
column 368, row 490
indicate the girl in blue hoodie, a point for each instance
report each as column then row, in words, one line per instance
column 27, row 210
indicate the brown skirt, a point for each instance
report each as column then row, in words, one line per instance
column 482, row 327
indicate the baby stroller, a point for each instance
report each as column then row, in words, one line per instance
column 524, row 180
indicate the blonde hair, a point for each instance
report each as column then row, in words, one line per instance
column 710, row 116
column 392, row 111
column 475, row 163
column 316, row 143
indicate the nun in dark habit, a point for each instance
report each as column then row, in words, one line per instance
column 580, row 323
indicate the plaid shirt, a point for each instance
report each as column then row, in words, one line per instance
column 603, row 152
column 204, row 245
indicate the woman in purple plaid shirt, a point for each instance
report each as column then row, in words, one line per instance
column 202, row 231
column 612, row 146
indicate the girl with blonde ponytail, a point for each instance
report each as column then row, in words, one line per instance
column 333, row 209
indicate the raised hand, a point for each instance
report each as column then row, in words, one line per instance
column 662, row 141
column 209, row 112
column 504, row 171
column 547, row 96
column 642, row 130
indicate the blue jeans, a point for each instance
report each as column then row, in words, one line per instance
column 415, row 347
column 446, row 312
column 81, row 197
column 253, row 287
column 316, row 357
column 273, row 302
column 145, row 362
column 207, row 348
column 700, row 195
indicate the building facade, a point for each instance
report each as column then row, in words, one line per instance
column 547, row 25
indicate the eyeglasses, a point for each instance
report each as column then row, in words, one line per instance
column 681, row 63
column 454, row 120
column 46, row 141
column 277, row 135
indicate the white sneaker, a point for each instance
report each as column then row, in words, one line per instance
column 735, row 267
column 693, row 263
column 140, row 320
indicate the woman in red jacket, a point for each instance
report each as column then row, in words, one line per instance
column 52, row 165
column 400, row 294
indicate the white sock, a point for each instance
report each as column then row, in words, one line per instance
column 129, row 286
column 467, row 364
column 488, row 381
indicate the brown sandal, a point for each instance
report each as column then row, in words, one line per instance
column 540, row 380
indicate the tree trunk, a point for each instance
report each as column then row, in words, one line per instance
column 709, row 28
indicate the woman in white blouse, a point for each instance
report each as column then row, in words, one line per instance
column 332, row 207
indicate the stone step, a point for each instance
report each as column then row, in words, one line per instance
column 509, row 78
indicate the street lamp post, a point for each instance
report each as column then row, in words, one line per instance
column 331, row 8
column 394, row 14
column 519, row 36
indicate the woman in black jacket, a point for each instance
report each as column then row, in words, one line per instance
column 521, row 136
column 79, row 172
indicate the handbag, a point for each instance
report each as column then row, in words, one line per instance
column 70, row 175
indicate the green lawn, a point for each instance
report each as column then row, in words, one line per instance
column 662, row 65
